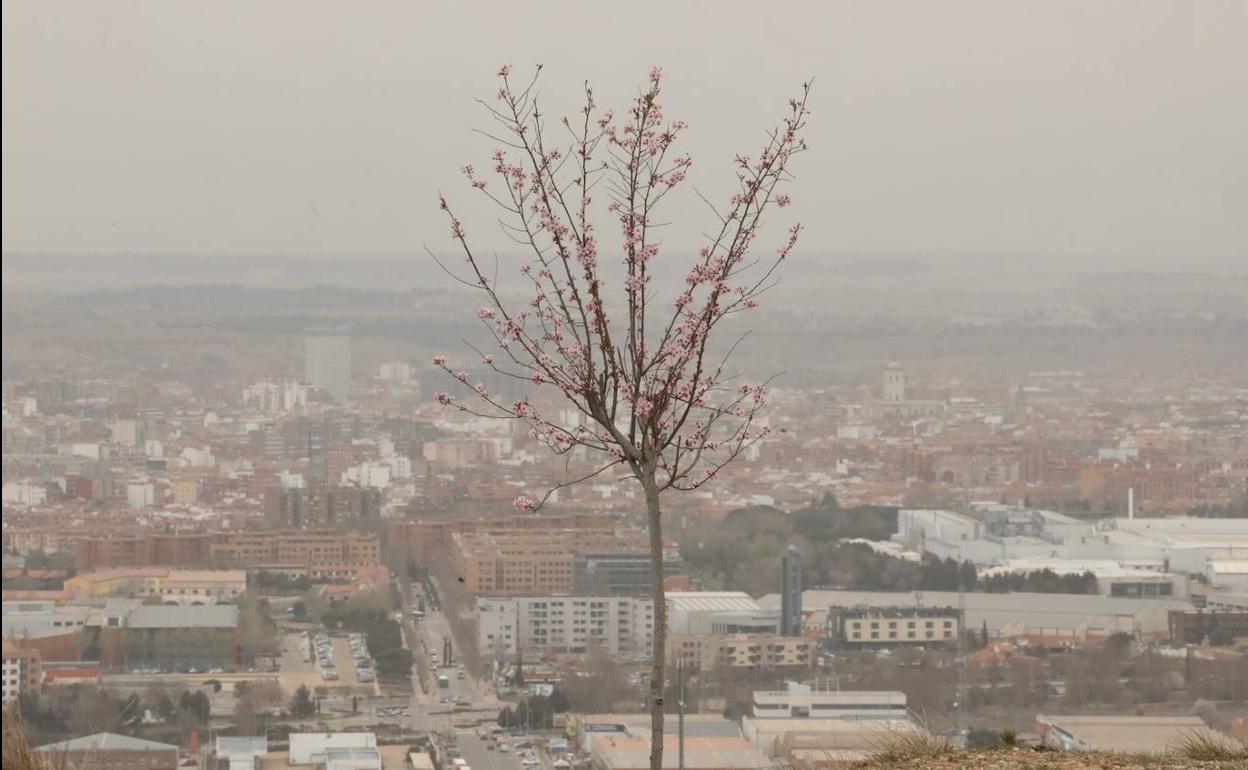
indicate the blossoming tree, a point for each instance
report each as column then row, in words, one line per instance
column 653, row 398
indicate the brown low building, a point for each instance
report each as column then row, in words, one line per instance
column 294, row 549
column 429, row 539
column 1199, row 626
column 741, row 651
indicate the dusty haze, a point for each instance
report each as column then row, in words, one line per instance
column 1012, row 131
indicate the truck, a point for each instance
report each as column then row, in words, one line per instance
column 444, row 682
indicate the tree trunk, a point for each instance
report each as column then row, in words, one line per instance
column 659, row 648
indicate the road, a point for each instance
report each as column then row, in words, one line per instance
column 480, row 758
column 428, row 710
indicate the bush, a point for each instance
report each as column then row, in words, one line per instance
column 1207, row 746
column 904, row 747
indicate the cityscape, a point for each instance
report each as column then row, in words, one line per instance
column 304, row 506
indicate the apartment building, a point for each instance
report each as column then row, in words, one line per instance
column 320, row 505
column 288, row 549
column 22, row 672
column 746, row 651
column 430, row 539
column 24, row 539
column 143, row 549
column 532, row 626
column 890, row 626
column 295, row 549
column 515, row 563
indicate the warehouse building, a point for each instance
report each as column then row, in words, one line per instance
column 109, row 751
column 1120, row 733
column 1075, row 617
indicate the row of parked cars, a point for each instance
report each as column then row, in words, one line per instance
column 321, row 646
column 363, row 664
column 324, row 650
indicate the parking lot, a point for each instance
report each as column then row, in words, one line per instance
column 297, row 671
column 485, row 755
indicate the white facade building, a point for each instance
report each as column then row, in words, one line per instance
column 372, row 474
column 275, row 397
column 140, row 494
column 534, row 625
column 25, row 492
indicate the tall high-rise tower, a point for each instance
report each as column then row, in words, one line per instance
column 791, row 592
column 327, row 361
column 894, row 383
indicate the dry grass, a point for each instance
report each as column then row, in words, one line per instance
column 18, row 753
column 1212, row 747
column 910, row 747
column 926, row 756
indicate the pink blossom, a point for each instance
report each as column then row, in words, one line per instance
column 604, row 341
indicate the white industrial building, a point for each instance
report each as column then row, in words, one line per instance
column 1113, row 578
column 994, row 534
column 719, row 612
column 800, row 701
column 1229, row 573
column 801, row 723
column 315, row 748
column 241, row 752
column 535, row 625
column 1069, row 616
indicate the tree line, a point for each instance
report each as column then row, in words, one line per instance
column 743, row 550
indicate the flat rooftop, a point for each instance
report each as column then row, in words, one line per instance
column 1130, row 733
column 632, row 752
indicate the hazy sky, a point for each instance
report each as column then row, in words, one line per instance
column 939, row 127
